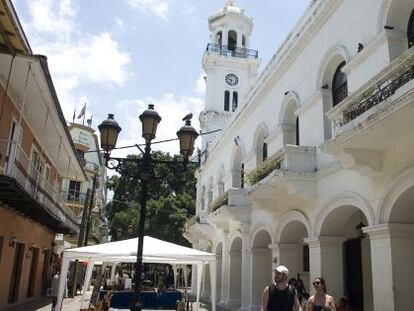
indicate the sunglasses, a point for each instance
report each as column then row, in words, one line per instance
column 316, row 283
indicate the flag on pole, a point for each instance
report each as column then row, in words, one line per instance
column 74, row 115
column 82, row 112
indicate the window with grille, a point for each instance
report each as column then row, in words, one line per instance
column 226, row 101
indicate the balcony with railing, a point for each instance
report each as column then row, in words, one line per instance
column 384, row 103
column 23, row 187
column 231, row 206
column 290, row 172
column 225, row 50
column 72, row 196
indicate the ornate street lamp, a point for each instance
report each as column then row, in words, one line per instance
column 149, row 119
column 187, row 136
column 109, row 134
column 109, row 130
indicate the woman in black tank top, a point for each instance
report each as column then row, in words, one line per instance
column 321, row 301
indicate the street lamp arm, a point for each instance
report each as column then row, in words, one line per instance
column 118, row 164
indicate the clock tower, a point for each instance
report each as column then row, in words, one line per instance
column 230, row 66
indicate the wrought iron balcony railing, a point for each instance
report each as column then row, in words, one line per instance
column 233, row 52
column 74, row 197
column 31, row 177
column 381, row 87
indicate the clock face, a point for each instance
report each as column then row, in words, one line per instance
column 231, row 79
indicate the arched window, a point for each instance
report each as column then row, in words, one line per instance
column 226, row 101
column 264, row 152
column 339, row 85
column 242, row 176
column 219, row 38
column 237, row 168
column 210, row 197
column 235, row 101
column 221, row 182
column 410, row 30
column 244, row 41
column 232, row 40
column 203, row 199
column 297, row 132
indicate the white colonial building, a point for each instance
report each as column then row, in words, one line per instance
column 314, row 165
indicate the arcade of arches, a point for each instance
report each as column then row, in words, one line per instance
column 373, row 271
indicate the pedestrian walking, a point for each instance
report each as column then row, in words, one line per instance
column 54, row 291
column 279, row 295
column 320, row 301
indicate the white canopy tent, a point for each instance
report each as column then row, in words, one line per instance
column 155, row 251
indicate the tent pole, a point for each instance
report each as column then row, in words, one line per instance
column 175, row 275
column 87, row 280
column 62, row 280
column 199, row 280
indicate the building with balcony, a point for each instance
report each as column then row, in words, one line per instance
column 36, row 154
column 314, row 166
column 88, row 196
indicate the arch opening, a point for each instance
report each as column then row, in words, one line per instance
column 402, row 248
column 237, row 168
column 349, row 270
column 290, row 124
column 232, row 40
column 262, row 265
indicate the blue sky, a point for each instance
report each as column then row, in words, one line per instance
column 120, row 55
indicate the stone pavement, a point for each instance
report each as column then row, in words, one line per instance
column 72, row 304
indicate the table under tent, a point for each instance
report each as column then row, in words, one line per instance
column 155, row 251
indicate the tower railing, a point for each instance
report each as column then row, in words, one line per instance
column 225, row 50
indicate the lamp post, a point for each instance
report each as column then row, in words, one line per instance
column 150, row 119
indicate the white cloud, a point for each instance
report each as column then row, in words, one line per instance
column 75, row 58
column 157, row 7
column 51, row 17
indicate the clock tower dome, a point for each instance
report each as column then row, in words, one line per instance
column 230, row 66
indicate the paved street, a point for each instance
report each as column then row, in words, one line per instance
column 69, row 304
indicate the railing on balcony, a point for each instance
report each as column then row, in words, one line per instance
column 290, row 158
column 380, row 88
column 264, row 169
column 74, row 196
column 31, row 178
column 233, row 52
column 219, row 201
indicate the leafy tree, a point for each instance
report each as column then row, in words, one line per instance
column 171, row 201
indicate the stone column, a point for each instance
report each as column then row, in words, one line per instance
column 246, row 277
column 326, row 260
column 392, row 252
column 225, row 270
